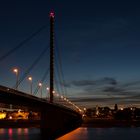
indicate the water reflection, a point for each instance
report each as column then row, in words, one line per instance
column 19, row 131
column 26, row 131
column 19, row 134
column 78, row 134
column 2, row 131
column 103, row 134
column 10, row 133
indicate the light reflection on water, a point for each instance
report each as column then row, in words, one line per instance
column 19, row 134
column 78, row 134
column 127, row 133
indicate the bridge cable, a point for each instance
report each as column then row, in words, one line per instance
column 61, row 75
column 32, row 66
column 56, row 86
column 22, row 43
column 57, row 77
column 42, row 80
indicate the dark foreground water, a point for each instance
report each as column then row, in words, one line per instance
column 78, row 134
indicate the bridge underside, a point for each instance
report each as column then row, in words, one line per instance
column 55, row 120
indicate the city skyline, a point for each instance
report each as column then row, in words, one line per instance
column 98, row 43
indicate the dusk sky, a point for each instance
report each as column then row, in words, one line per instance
column 99, row 44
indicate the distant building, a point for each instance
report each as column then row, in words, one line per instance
column 97, row 110
column 116, row 107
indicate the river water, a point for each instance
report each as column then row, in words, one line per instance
column 78, row 134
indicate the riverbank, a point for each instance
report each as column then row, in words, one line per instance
column 19, row 123
column 102, row 122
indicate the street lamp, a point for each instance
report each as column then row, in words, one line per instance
column 40, row 86
column 30, row 80
column 48, row 90
column 16, row 71
column 85, row 110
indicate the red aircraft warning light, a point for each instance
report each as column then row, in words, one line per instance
column 52, row 14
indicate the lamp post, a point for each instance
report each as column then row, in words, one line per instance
column 16, row 71
column 40, row 86
column 48, row 90
column 31, row 83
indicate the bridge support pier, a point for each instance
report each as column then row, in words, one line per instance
column 56, row 122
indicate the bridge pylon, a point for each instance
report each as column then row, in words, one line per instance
column 51, row 56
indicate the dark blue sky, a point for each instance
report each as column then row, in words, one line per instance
column 99, row 44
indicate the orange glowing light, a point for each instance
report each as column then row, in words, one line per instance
column 79, row 132
column 30, row 78
column 40, row 84
column 15, row 70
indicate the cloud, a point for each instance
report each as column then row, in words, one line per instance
column 130, row 84
column 89, row 85
column 109, row 80
column 106, row 91
column 67, row 85
column 109, row 101
column 102, row 81
column 113, row 89
column 90, row 99
column 130, row 88
column 83, row 83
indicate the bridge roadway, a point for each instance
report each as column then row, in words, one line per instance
column 56, row 119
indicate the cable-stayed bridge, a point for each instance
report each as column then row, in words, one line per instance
column 58, row 113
